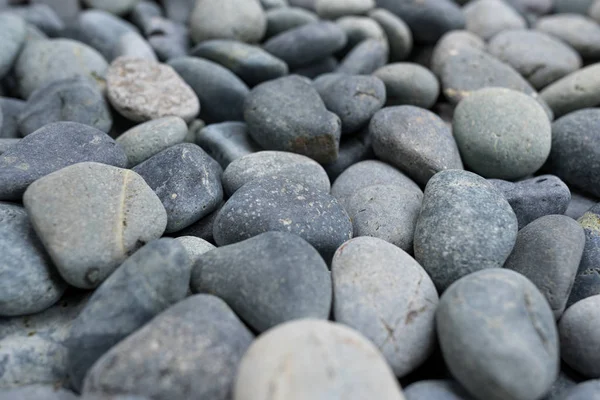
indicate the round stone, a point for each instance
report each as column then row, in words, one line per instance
column 580, row 89
column 12, row 37
column 580, row 32
column 398, row 34
column 408, row 83
column 448, row 45
column 486, row 18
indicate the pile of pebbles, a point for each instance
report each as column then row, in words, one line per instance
column 300, row 199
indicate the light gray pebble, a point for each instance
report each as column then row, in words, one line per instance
column 408, row 83
column 226, row 142
column 365, row 58
column 10, row 109
column 132, row 44
column 195, row 247
column 38, row 392
column 398, row 34
column 436, row 390
column 580, row 32
column 268, row 4
column 334, row 9
column 285, row 18
column 588, row 390
column 486, row 18
column 12, row 36
column 578, row 90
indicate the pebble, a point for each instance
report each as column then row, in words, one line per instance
column 42, row 17
column 195, row 247
column 5, row 144
column 283, row 19
column 572, row 6
column 579, row 330
column 179, row 10
column 170, row 40
column 446, row 389
column 409, row 84
column 201, row 363
column 353, row 149
column 220, row 91
column 145, row 13
column 580, row 32
column 268, row 4
column 494, row 318
column 38, row 392
column 118, row 7
column 10, row 109
column 251, row 63
column 502, row 133
column 334, row 9
column 399, row 35
column 365, row 58
column 486, row 18
column 263, row 164
column 51, row 148
column 132, row 44
column 287, row 114
column 578, row 90
column 579, row 204
column 460, row 211
column 535, row 197
column 226, row 142
column 151, row 280
column 12, row 36
column 587, row 281
column 306, row 4
column 30, row 283
column 145, row 140
column 74, row 99
column 358, row 29
column 448, row 46
column 594, row 11
column 588, row 390
column 323, row 66
column 91, row 217
column 353, row 98
column 142, row 90
column 414, row 140
column 202, row 229
column 280, row 204
column 242, row 20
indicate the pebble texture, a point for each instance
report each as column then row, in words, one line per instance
column 589, row 390
column 365, row 58
column 587, row 281
column 201, row 363
column 578, row 90
column 12, row 37
column 267, row 280
column 408, row 83
column 38, row 392
column 486, row 18
column 494, row 318
column 398, row 34
column 460, row 211
column 91, row 217
column 580, row 32
column 436, row 390
column 226, row 142
column 309, row 349
column 367, row 273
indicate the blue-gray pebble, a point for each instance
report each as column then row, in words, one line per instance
column 365, row 58
column 445, row 389
column 588, row 390
column 408, row 83
column 285, row 18
column 226, row 142
column 12, row 37
column 353, row 149
column 587, row 281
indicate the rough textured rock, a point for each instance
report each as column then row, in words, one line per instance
column 398, row 34
column 408, row 83
column 226, row 142
column 587, row 281
column 486, row 18
column 576, row 91
column 12, row 36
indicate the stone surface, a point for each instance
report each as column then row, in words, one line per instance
column 587, row 281
column 12, row 36
column 365, row 58
column 195, row 247
column 579, row 204
column 91, row 217
column 226, row 142
column 576, row 91
column 589, row 390
column 399, row 35
column 353, row 149
column 436, row 390
column 580, row 32
column 285, row 18
column 324, row 66
column 5, row 144
column 334, row 9
column 359, row 29
column 494, row 318
column 10, row 109
column 132, row 44
column 486, row 18
column 201, row 363
column 138, row 89
column 51, row 148
column 204, row 228
column 448, row 45
column 309, row 349
column 410, row 84
column 460, row 211
column 118, row 7
column 38, row 392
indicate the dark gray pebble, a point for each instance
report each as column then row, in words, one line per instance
column 285, row 18
column 410, row 84
column 226, row 142
column 10, row 109
column 353, row 149
column 436, row 390
column 313, row 70
column 587, row 281
column 365, row 58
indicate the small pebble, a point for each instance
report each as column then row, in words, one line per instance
column 587, row 281
column 12, row 37
column 365, row 58
column 409, row 84
column 283, row 19
column 195, row 247
column 578, row 90
column 436, row 390
column 486, row 18
column 580, row 32
column 398, row 34
column 226, row 142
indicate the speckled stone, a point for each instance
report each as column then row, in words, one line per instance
column 533, row 198
column 186, row 180
column 38, row 392
column 287, row 114
column 195, row 247
column 280, row 204
column 486, row 18
column 226, row 142
column 540, row 58
column 398, row 34
column 132, row 44
column 12, row 37
column 436, row 390
column 494, row 318
column 118, row 7
column 263, row 164
column 580, row 32
column 73, row 99
column 365, row 58
column 201, row 363
column 334, row 9
column 460, row 211
column 220, row 91
column 408, row 83
column 251, row 63
column 137, row 89
column 579, row 330
column 588, row 390
column 502, row 133
column 285, row 18
column 51, row 148
column 358, row 29
column 578, row 90
column 30, row 283
column 448, row 45
column 353, row 149
column 91, row 217
column 145, row 140
column 415, row 140
column 10, row 109
column 587, row 281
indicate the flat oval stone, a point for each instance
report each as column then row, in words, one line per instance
column 263, row 164
column 307, row 43
column 226, row 142
column 367, row 273
column 147, row 283
column 118, row 7
column 145, row 140
column 195, row 247
column 242, row 20
column 201, row 363
column 414, row 140
column 580, row 89
column 580, row 32
column 502, row 133
column 533, row 198
column 448, row 45
column 587, row 281
column 30, row 283
column 579, row 330
column 10, row 109
column 353, row 149
column 251, row 63
column 548, row 252
column 186, row 180
column 137, row 88
column 74, row 99
column 365, row 58
column 220, row 91
column 399, row 35
column 309, row 349
column 40, row 392
column 408, row 83
column 579, row 204
column 486, row 18
column 494, row 318
column 334, row 9
column 588, row 390
column 285, row 18
column 303, row 287
column 353, row 98
column 287, row 114
column 91, row 217
column 358, row 29
column 280, row 204
column 51, row 148
column 12, row 37
column 436, row 390
column 460, row 210
column 540, row 58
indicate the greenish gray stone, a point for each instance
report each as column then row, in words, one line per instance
column 12, row 37
column 408, row 83
column 226, row 142
column 398, row 34
column 285, row 18
column 580, row 32
column 572, row 6
column 578, row 90
column 486, row 18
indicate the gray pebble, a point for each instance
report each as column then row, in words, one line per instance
column 169, row 40
column 51, row 148
column 12, row 37
column 579, row 204
column 306, row 4
column 220, row 91
column 436, row 390
column 10, row 109
column 494, row 318
column 408, row 83
column 201, row 363
column 589, row 390
column 353, row 149
column 91, row 217
column 204, row 228
column 186, row 180
column 37, row 392
column 535, row 197
column 587, row 281
column 5, row 144
column 594, row 11
column 448, row 45
column 334, row 9
column 263, row 164
column 572, row 6
column 415, row 140
column 195, row 247
column 66, row 10
column 117, row 7
column 502, row 133
column 460, row 211
column 179, row 10
column 358, row 29
column 74, row 99
column 399, row 35
column 365, row 58
column 560, row 387
column 580, row 89
column 287, row 114
column 42, row 17
column 226, row 142
column 268, row 4
column 147, row 283
column 144, row 13
column 280, row 204
column 486, row 18
column 318, row 68
column 132, row 44
column 580, row 32
column 285, row 18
